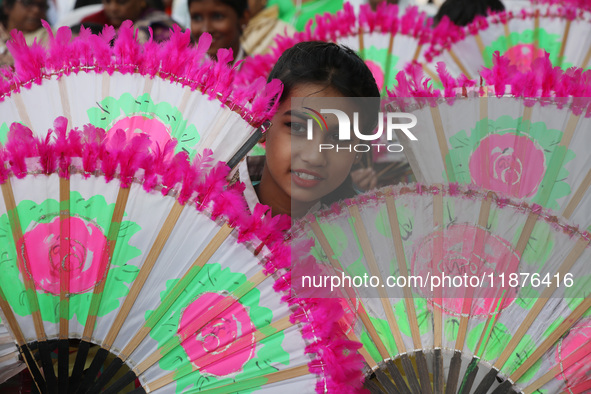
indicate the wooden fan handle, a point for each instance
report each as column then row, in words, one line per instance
column 454, row 373
column 438, row 382
column 385, row 381
column 469, row 376
column 397, row 377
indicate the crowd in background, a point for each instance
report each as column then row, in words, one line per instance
column 248, row 27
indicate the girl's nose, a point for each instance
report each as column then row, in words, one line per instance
column 311, row 154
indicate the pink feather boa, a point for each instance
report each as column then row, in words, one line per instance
column 544, row 83
column 446, row 34
column 175, row 60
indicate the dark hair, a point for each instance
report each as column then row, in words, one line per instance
column 324, row 63
column 335, row 66
column 8, row 4
column 240, row 6
column 462, row 12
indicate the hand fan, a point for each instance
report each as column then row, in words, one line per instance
column 135, row 87
column 582, row 4
column 163, row 268
column 170, row 89
column 386, row 39
column 299, row 12
column 524, row 136
column 10, row 364
column 565, row 33
column 518, row 281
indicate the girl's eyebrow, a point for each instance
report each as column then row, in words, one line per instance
column 298, row 114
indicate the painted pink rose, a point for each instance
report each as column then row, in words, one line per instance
column 578, row 336
column 523, row 55
column 508, row 164
column 159, row 132
column 376, row 71
column 84, row 261
column 459, row 250
column 223, row 345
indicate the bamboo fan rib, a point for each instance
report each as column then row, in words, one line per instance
column 165, row 282
column 562, row 32
column 169, row 90
column 530, row 332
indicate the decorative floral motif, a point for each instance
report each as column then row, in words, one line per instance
column 160, row 121
column 578, row 336
column 212, row 348
column 523, row 55
column 509, row 156
column 461, row 256
column 521, row 48
column 510, row 164
column 376, row 60
column 220, row 338
column 40, row 223
column 84, row 261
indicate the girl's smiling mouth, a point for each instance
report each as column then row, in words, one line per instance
column 305, row 178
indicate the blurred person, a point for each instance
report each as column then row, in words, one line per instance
column 225, row 20
column 145, row 15
column 462, row 12
column 263, row 27
column 25, row 16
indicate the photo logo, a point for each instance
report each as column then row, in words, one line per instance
column 393, row 122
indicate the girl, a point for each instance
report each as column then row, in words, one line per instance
column 143, row 13
column 296, row 177
column 225, row 20
column 23, row 15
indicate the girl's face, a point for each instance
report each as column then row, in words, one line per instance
column 297, row 175
column 118, row 11
column 25, row 15
column 218, row 19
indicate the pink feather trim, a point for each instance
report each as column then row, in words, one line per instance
column 175, row 60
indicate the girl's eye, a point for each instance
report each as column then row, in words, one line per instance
column 218, row 16
column 196, row 17
column 296, row 128
column 334, row 137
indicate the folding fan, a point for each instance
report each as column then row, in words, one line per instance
column 172, row 89
column 298, row 13
column 168, row 91
column 583, row 4
column 10, row 363
column 525, row 135
column 386, row 39
column 564, row 33
column 146, row 261
column 517, row 319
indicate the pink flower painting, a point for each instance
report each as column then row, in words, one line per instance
column 464, row 250
column 223, row 345
column 509, row 164
column 84, row 261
